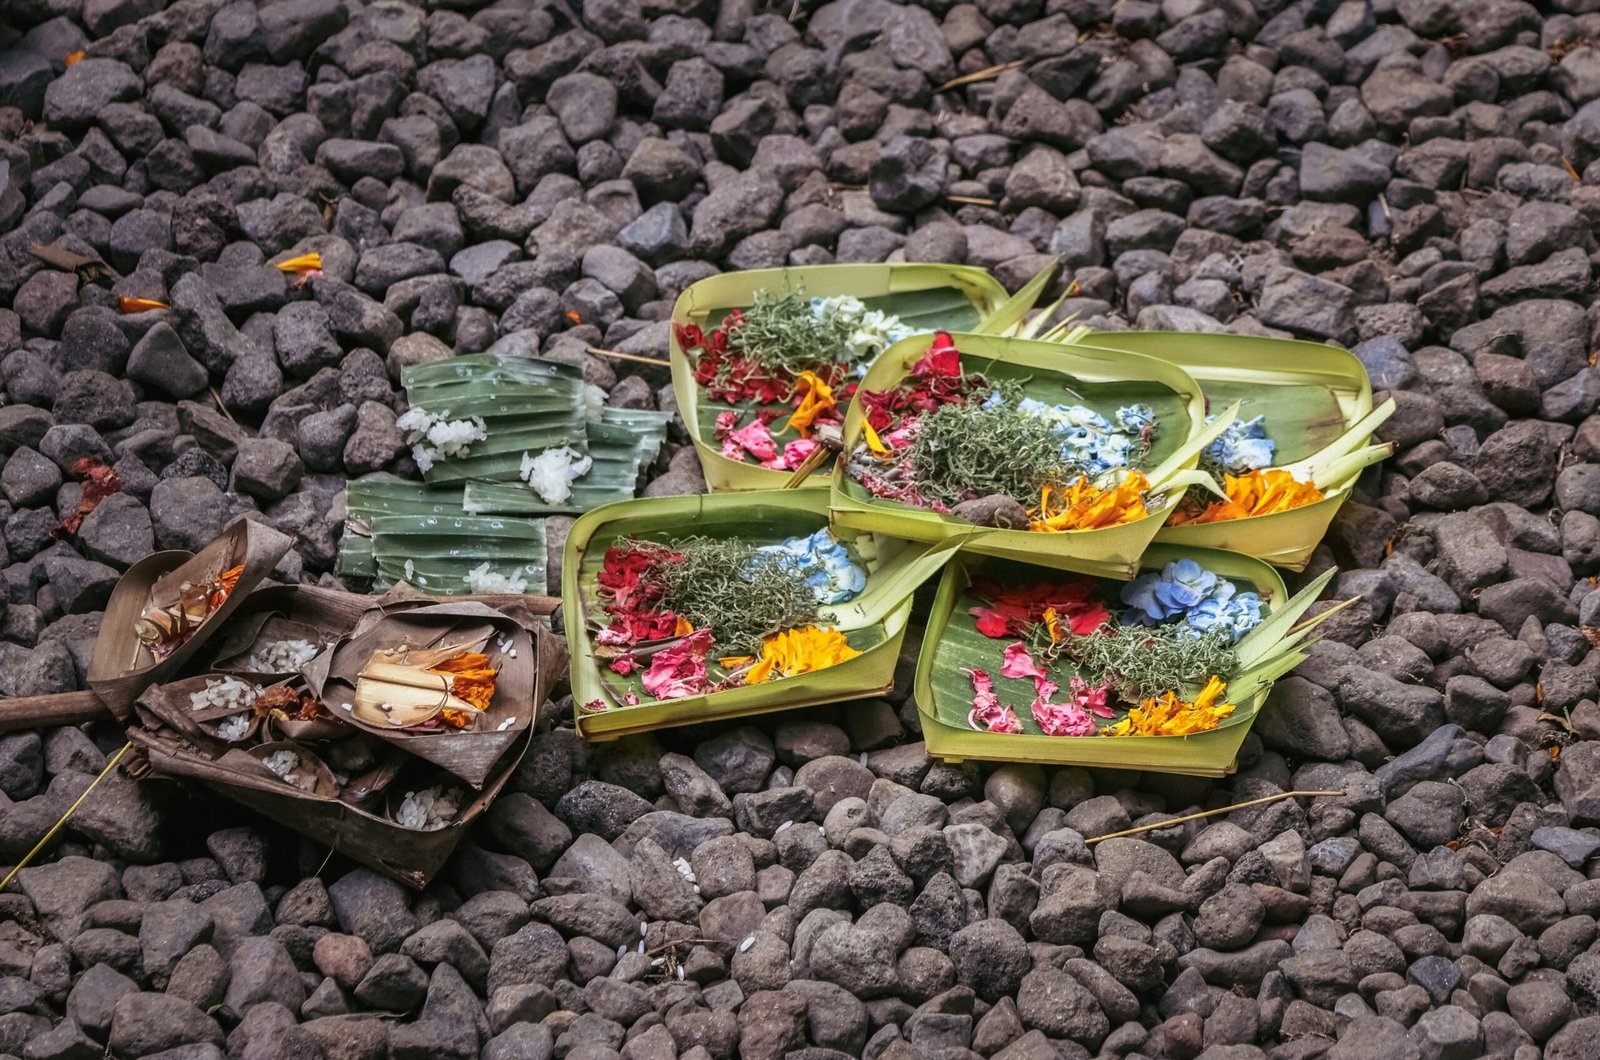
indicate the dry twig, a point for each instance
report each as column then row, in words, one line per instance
column 1210, row 813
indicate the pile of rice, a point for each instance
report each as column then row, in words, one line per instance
column 281, row 657
column 234, row 728
column 225, row 692
column 481, row 580
column 428, row 810
column 553, row 471
column 434, row 438
column 286, row 764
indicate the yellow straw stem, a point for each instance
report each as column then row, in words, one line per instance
column 980, row 75
column 1209, row 813
column 41, row 844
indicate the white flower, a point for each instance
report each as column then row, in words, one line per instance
column 873, row 330
column 552, row 472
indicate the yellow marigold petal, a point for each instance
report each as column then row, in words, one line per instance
column 874, row 443
column 816, row 399
column 303, row 264
column 1167, row 715
column 798, row 651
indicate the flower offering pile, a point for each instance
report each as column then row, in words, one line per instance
column 1021, row 662
column 765, row 362
column 162, row 628
column 1122, row 672
column 1285, row 465
column 167, row 606
column 1026, row 449
column 956, row 442
column 697, row 615
column 788, row 365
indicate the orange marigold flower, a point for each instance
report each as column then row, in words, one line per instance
column 472, row 678
column 1264, row 492
column 456, row 719
column 1085, row 506
column 223, row 585
column 799, row 651
column 71, row 57
column 816, row 398
column 1167, row 715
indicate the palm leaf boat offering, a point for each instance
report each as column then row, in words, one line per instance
column 1288, row 462
column 1063, row 455
column 385, row 745
column 764, row 362
column 1165, row 672
column 687, row 609
column 166, row 606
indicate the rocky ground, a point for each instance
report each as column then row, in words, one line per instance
column 1418, row 179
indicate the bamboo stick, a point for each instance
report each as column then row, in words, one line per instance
column 64, row 708
column 1210, row 813
column 40, row 845
column 619, row 355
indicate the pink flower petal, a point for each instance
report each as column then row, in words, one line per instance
column 1019, row 663
column 1090, row 699
column 680, row 670
column 795, row 453
column 1062, row 719
column 756, row 440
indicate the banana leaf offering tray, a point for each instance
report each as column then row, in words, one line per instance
column 1165, row 672
column 1300, row 440
column 765, row 361
column 687, row 609
column 1067, row 456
